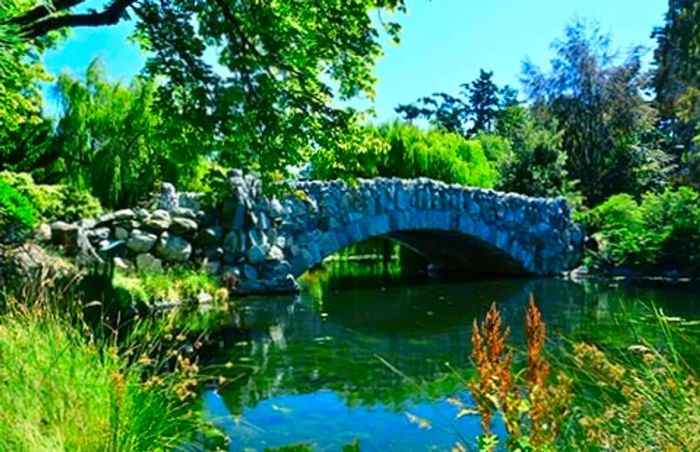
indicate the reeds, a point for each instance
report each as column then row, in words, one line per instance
column 637, row 400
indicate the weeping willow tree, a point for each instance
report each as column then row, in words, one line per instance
column 114, row 143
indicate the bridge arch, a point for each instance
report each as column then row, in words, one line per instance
column 468, row 229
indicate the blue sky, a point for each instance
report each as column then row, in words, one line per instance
column 444, row 43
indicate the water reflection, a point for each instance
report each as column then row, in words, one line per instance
column 312, row 368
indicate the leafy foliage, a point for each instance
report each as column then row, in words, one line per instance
column 20, row 72
column 279, row 69
column 597, row 104
column 661, row 231
column 53, row 202
column 410, row 152
column 17, row 215
column 675, row 79
column 536, row 163
column 112, row 142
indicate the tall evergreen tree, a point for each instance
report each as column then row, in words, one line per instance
column 483, row 102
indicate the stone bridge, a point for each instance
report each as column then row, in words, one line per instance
column 263, row 243
column 269, row 242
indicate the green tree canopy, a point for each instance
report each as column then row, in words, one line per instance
column 676, row 77
column 596, row 101
column 260, row 79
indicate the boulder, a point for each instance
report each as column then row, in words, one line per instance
column 171, row 247
column 64, row 234
column 124, row 214
column 147, row 263
column 140, row 241
column 121, row 233
column 257, row 254
column 183, row 226
column 157, row 221
column 183, row 212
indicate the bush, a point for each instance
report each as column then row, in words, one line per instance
column 663, row 231
column 17, row 214
column 53, row 202
column 409, row 152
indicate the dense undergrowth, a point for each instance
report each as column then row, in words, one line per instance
column 662, row 232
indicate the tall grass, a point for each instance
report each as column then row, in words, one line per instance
column 69, row 387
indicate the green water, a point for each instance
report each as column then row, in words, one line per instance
column 360, row 355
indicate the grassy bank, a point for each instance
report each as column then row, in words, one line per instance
column 69, row 387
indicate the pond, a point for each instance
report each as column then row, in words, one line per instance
column 363, row 357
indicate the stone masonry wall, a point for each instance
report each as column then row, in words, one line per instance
column 261, row 244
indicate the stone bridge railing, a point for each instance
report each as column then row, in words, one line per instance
column 264, row 243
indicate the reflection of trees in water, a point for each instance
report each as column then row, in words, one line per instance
column 295, row 345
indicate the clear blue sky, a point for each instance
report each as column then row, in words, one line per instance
column 444, row 43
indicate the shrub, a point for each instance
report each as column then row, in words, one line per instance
column 663, row 231
column 53, row 202
column 17, row 214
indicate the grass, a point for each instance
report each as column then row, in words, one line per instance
column 66, row 387
column 173, row 286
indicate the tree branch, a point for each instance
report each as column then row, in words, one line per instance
column 109, row 16
column 44, row 11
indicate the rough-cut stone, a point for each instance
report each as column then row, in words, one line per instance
column 213, row 267
column 183, row 212
column 140, row 241
column 43, row 233
column 168, row 198
column 64, row 234
column 183, row 226
column 123, row 264
column 171, row 247
column 124, row 214
column 275, row 254
column 147, row 263
column 157, row 221
column 270, row 240
column 257, row 254
column 121, row 233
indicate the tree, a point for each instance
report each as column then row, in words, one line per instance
column 112, row 142
column 269, row 96
column 596, row 101
column 483, row 101
column 472, row 112
column 676, row 76
column 20, row 69
column 536, row 163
